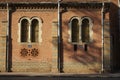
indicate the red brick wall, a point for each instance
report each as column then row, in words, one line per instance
column 72, row 61
column 81, row 61
column 41, row 63
column 87, row 62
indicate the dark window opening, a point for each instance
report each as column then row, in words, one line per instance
column 75, row 30
column 34, row 30
column 24, row 30
column 85, row 30
column 75, row 47
column 85, row 47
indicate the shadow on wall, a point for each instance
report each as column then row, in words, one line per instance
column 114, row 31
column 77, row 52
column 89, row 57
column 86, row 57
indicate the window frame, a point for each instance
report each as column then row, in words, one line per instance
column 19, row 29
column 23, row 28
column 29, row 30
column 90, row 28
column 70, row 30
column 39, row 29
column 80, row 32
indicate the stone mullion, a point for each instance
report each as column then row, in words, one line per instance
column 29, row 32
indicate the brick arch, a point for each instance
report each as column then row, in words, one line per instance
column 39, row 19
column 24, row 17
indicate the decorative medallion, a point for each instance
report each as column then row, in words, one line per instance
column 34, row 52
column 24, row 52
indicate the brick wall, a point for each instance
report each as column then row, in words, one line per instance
column 79, row 61
column 42, row 62
column 3, row 27
column 82, row 61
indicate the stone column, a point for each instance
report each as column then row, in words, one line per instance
column 3, row 45
column 55, row 47
column 107, row 42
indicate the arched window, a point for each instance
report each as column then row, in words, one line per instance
column 34, row 30
column 80, row 30
column 75, row 30
column 85, row 30
column 24, row 30
column 30, row 29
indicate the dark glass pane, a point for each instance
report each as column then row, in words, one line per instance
column 34, row 30
column 75, row 30
column 85, row 30
column 24, row 30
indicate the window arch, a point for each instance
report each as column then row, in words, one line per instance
column 24, row 30
column 74, row 30
column 34, row 30
column 80, row 30
column 86, row 29
column 30, row 29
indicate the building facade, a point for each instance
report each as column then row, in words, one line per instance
column 64, row 36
